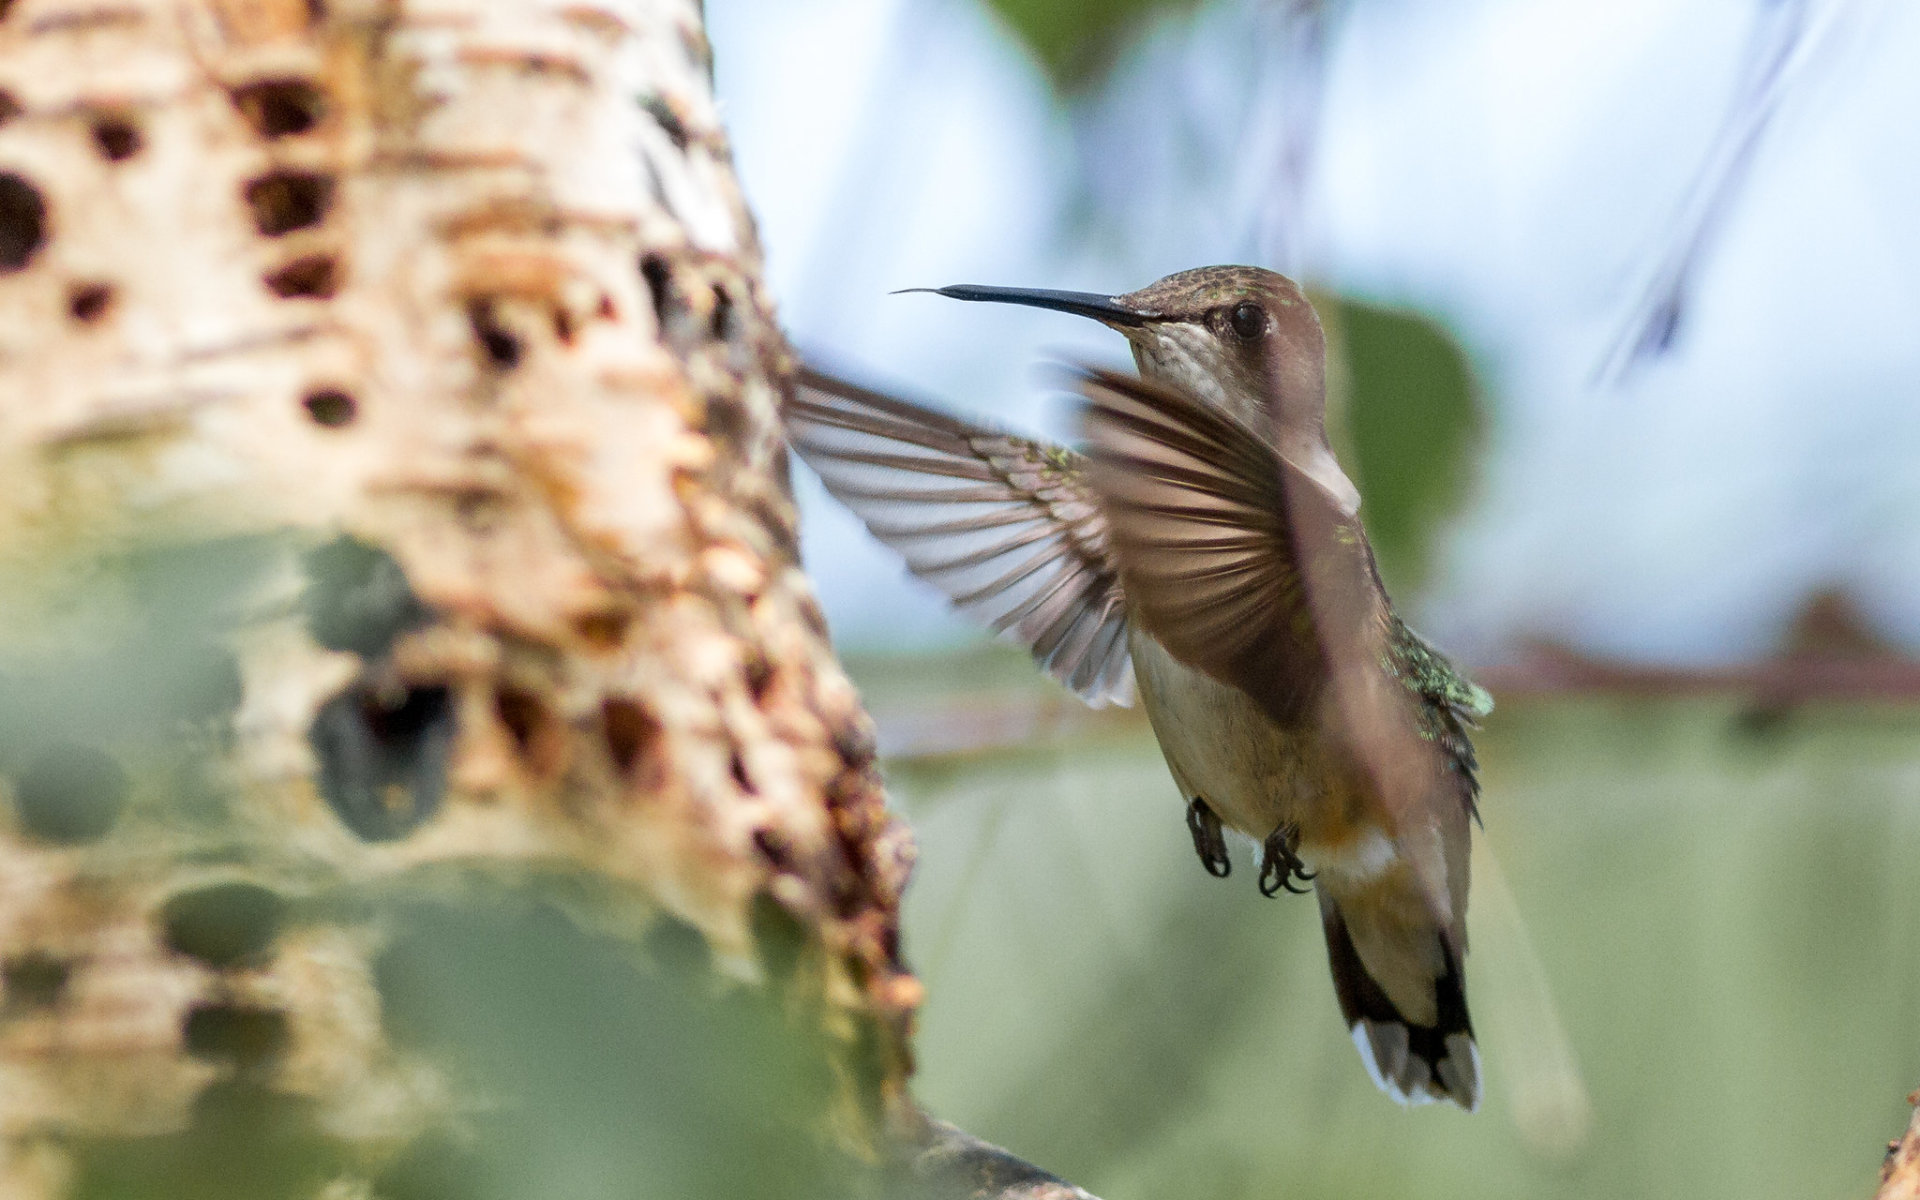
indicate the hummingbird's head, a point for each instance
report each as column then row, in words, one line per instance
column 1244, row 338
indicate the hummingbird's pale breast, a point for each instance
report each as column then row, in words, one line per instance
column 1256, row 774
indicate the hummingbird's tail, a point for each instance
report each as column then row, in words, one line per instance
column 1418, row 1049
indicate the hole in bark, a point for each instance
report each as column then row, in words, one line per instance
column 383, row 755
column 241, row 1034
column 537, row 736
column 70, row 794
column 659, row 276
column 602, row 630
column 854, row 744
column 658, row 107
column 88, row 302
column 777, row 521
column 737, row 767
column 723, row 323
column 501, row 346
column 278, row 108
column 726, row 419
column 357, row 598
column 33, row 980
column 311, row 276
column 773, row 846
column 812, row 617
column 631, row 732
column 330, row 407
column 23, row 222
column 284, row 201
column 9, row 107
column 226, row 925
column 759, row 674
column 116, row 137
column 522, row 714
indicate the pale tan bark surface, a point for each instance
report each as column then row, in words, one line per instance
column 395, row 550
column 1900, row 1175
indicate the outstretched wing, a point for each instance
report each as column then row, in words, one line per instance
column 1005, row 526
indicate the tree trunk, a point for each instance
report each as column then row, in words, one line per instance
column 1900, row 1174
column 425, row 770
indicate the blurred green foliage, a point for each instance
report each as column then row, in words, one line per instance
column 125, row 643
column 585, row 1064
column 616, row 1070
column 1720, row 925
column 590, row 1046
column 1076, row 41
column 1412, row 423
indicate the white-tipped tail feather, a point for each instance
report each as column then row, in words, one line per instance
column 1384, row 1051
column 1413, row 1062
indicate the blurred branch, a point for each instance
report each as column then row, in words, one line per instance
column 1550, row 670
column 1784, row 37
column 955, row 1165
column 990, row 721
column 1900, row 1177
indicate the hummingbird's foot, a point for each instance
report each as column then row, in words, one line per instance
column 1280, row 865
column 1208, row 841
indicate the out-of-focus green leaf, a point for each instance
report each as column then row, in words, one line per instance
column 1108, row 1009
column 1412, row 425
column 1077, row 40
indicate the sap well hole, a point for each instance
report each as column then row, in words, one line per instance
column 88, row 302
column 116, row 137
column 23, row 221
column 278, row 108
column 284, row 201
column 330, row 408
column 309, row 277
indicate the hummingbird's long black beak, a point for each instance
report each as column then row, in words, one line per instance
column 1106, row 309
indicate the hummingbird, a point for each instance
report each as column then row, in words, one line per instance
column 1204, row 549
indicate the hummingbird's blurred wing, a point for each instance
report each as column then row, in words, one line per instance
column 1004, row 525
column 1236, row 561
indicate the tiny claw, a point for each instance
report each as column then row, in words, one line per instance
column 1280, row 865
column 1208, row 841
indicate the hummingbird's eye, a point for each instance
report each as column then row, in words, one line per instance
column 1248, row 321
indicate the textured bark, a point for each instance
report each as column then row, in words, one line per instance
column 1900, row 1175
column 413, row 721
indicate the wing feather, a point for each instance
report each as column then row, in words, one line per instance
column 1019, row 542
column 1211, row 529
